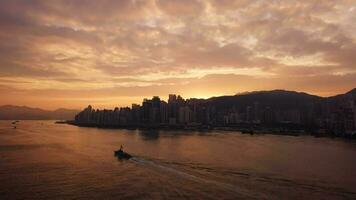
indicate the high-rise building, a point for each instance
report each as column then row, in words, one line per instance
column 155, row 114
column 135, row 110
column 146, row 111
column 268, row 116
column 163, row 112
column 181, row 115
column 172, row 98
column 256, row 112
column 188, row 115
column 249, row 114
column 86, row 115
column 172, row 108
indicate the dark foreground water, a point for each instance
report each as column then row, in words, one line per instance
column 43, row 160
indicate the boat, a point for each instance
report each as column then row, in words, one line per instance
column 122, row 155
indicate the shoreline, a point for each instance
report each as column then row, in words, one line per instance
column 258, row 130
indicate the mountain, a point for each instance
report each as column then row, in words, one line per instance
column 275, row 99
column 353, row 91
column 10, row 112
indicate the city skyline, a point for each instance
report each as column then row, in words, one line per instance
column 178, row 99
column 73, row 53
column 278, row 109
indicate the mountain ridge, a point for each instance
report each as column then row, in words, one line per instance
column 278, row 98
column 13, row 112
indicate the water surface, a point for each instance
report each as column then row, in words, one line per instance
column 43, row 160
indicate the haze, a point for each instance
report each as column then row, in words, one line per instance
column 113, row 53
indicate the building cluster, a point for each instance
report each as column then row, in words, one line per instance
column 341, row 118
column 198, row 112
column 177, row 111
column 254, row 114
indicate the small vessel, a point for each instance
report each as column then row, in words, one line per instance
column 121, row 154
column 14, row 124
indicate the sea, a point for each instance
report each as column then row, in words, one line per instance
column 45, row 160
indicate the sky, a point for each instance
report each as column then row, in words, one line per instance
column 66, row 53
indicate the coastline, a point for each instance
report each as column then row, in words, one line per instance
column 258, row 130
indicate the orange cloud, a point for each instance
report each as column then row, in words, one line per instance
column 72, row 53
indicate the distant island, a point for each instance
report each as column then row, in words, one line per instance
column 10, row 112
column 277, row 111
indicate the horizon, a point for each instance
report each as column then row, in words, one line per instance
column 58, row 54
column 165, row 99
column 177, row 99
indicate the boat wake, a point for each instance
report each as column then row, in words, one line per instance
column 156, row 166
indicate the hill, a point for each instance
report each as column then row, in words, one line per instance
column 275, row 99
column 10, row 112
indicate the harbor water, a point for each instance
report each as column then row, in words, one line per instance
column 44, row 160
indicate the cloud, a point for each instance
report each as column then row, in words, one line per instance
column 146, row 47
column 181, row 8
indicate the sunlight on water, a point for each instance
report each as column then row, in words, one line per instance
column 41, row 160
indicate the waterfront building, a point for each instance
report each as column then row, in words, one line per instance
column 335, row 115
column 135, row 110
column 163, row 112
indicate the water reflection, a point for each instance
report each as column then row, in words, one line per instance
column 26, row 147
column 67, row 162
column 149, row 134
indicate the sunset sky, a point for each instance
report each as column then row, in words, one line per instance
column 71, row 53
